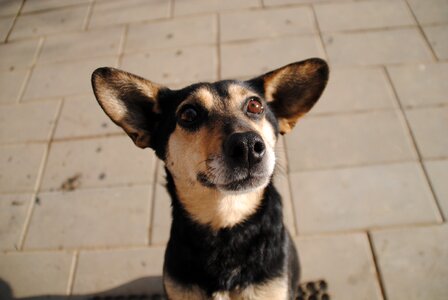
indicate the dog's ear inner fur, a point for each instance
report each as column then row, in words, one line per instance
column 129, row 100
column 291, row 91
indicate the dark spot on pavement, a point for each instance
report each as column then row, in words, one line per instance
column 102, row 176
column 71, row 183
column 37, row 200
column 98, row 150
column 169, row 36
column 16, row 203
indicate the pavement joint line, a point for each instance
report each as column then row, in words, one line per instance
column 72, row 274
column 122, row 45
column 416, row 147
column 319, row 32
column 88, row 17
column 288, row 180
column 39, row 178
column 40, row 45
column 262, row 4
column 374, row 261
column 171, row 9
column 422, row 33
column 14, row 21
column 153, row 202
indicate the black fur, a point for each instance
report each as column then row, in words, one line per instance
column 249, row 253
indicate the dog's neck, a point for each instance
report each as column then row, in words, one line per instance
column 213, row 208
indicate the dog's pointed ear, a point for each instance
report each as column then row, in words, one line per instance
column 130, row 101
column 291, row 91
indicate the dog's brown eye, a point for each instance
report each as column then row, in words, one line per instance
column 255, row 106
column 188, row 115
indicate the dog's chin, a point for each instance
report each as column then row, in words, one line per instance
column 249, row 184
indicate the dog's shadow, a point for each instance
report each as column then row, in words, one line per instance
column 150, row 287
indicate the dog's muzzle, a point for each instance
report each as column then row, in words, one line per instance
column 244, row 149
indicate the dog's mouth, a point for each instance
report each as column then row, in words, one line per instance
column 238, row 183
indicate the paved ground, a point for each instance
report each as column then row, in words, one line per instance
column 364, row 176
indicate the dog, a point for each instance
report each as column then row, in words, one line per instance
column 227, row 239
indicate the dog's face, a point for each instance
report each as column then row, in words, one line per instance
column 217, row 137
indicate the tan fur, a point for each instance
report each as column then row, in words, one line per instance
column 276, row 289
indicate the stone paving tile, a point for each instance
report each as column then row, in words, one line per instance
column 37, row 273
column 377, row 47
column 438, row 173
column 356, row 89
column 375, row 14
column 9, row 7
column 13, row 210
column 361, row 198
column 257, row 57
column 430, row 11
column 438, row 38
column 120, row 272
column 176, row 65
column 184, row 7
column 11, row 84
column 89, row 218
column 100, row 162
column 419, row 85
column 418, row 270
column 49, row 22
column 287, row 2
column 31, row 122
column 243, row 25
column 81, row 116
column 37, row 5
column 20, row 166
column 119, row 12
column 172, row 33
column 18, row 55
column 64, row 79
column 344, row 261
column 430, row 127
column 104, row 42
column 348, row 140
column 5, row 25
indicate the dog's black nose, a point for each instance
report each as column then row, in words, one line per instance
column 244, row 148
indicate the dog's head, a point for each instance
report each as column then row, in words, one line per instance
column 213, row 136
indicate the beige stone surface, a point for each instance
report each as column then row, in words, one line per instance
column 13, row 209
column 419, row 270
column 94, row 43
column 188, row 31
column 340, row 16
column 11, row 85
column 38, row 5
column 257, row 57
column 18, row 55
column 377, row 47
column 356, row 89
column 31, row 122
column 9, row 7
column 430, row 127
column 120, row 272
column 64, row 79
column 20, row 166
column 243, row 25
column 348, row 140
column 362, row 198
column 344, row 261
column 49, row 22
column 174, row 65
column 419, row 85
column 119, row 12
column 81, row 116
column 184, row 7
column 438, row 173
column 5, row 25
column 36, row 273
column 438, row 39
column 430, row 11
column 101, row 162
column 91, row 218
